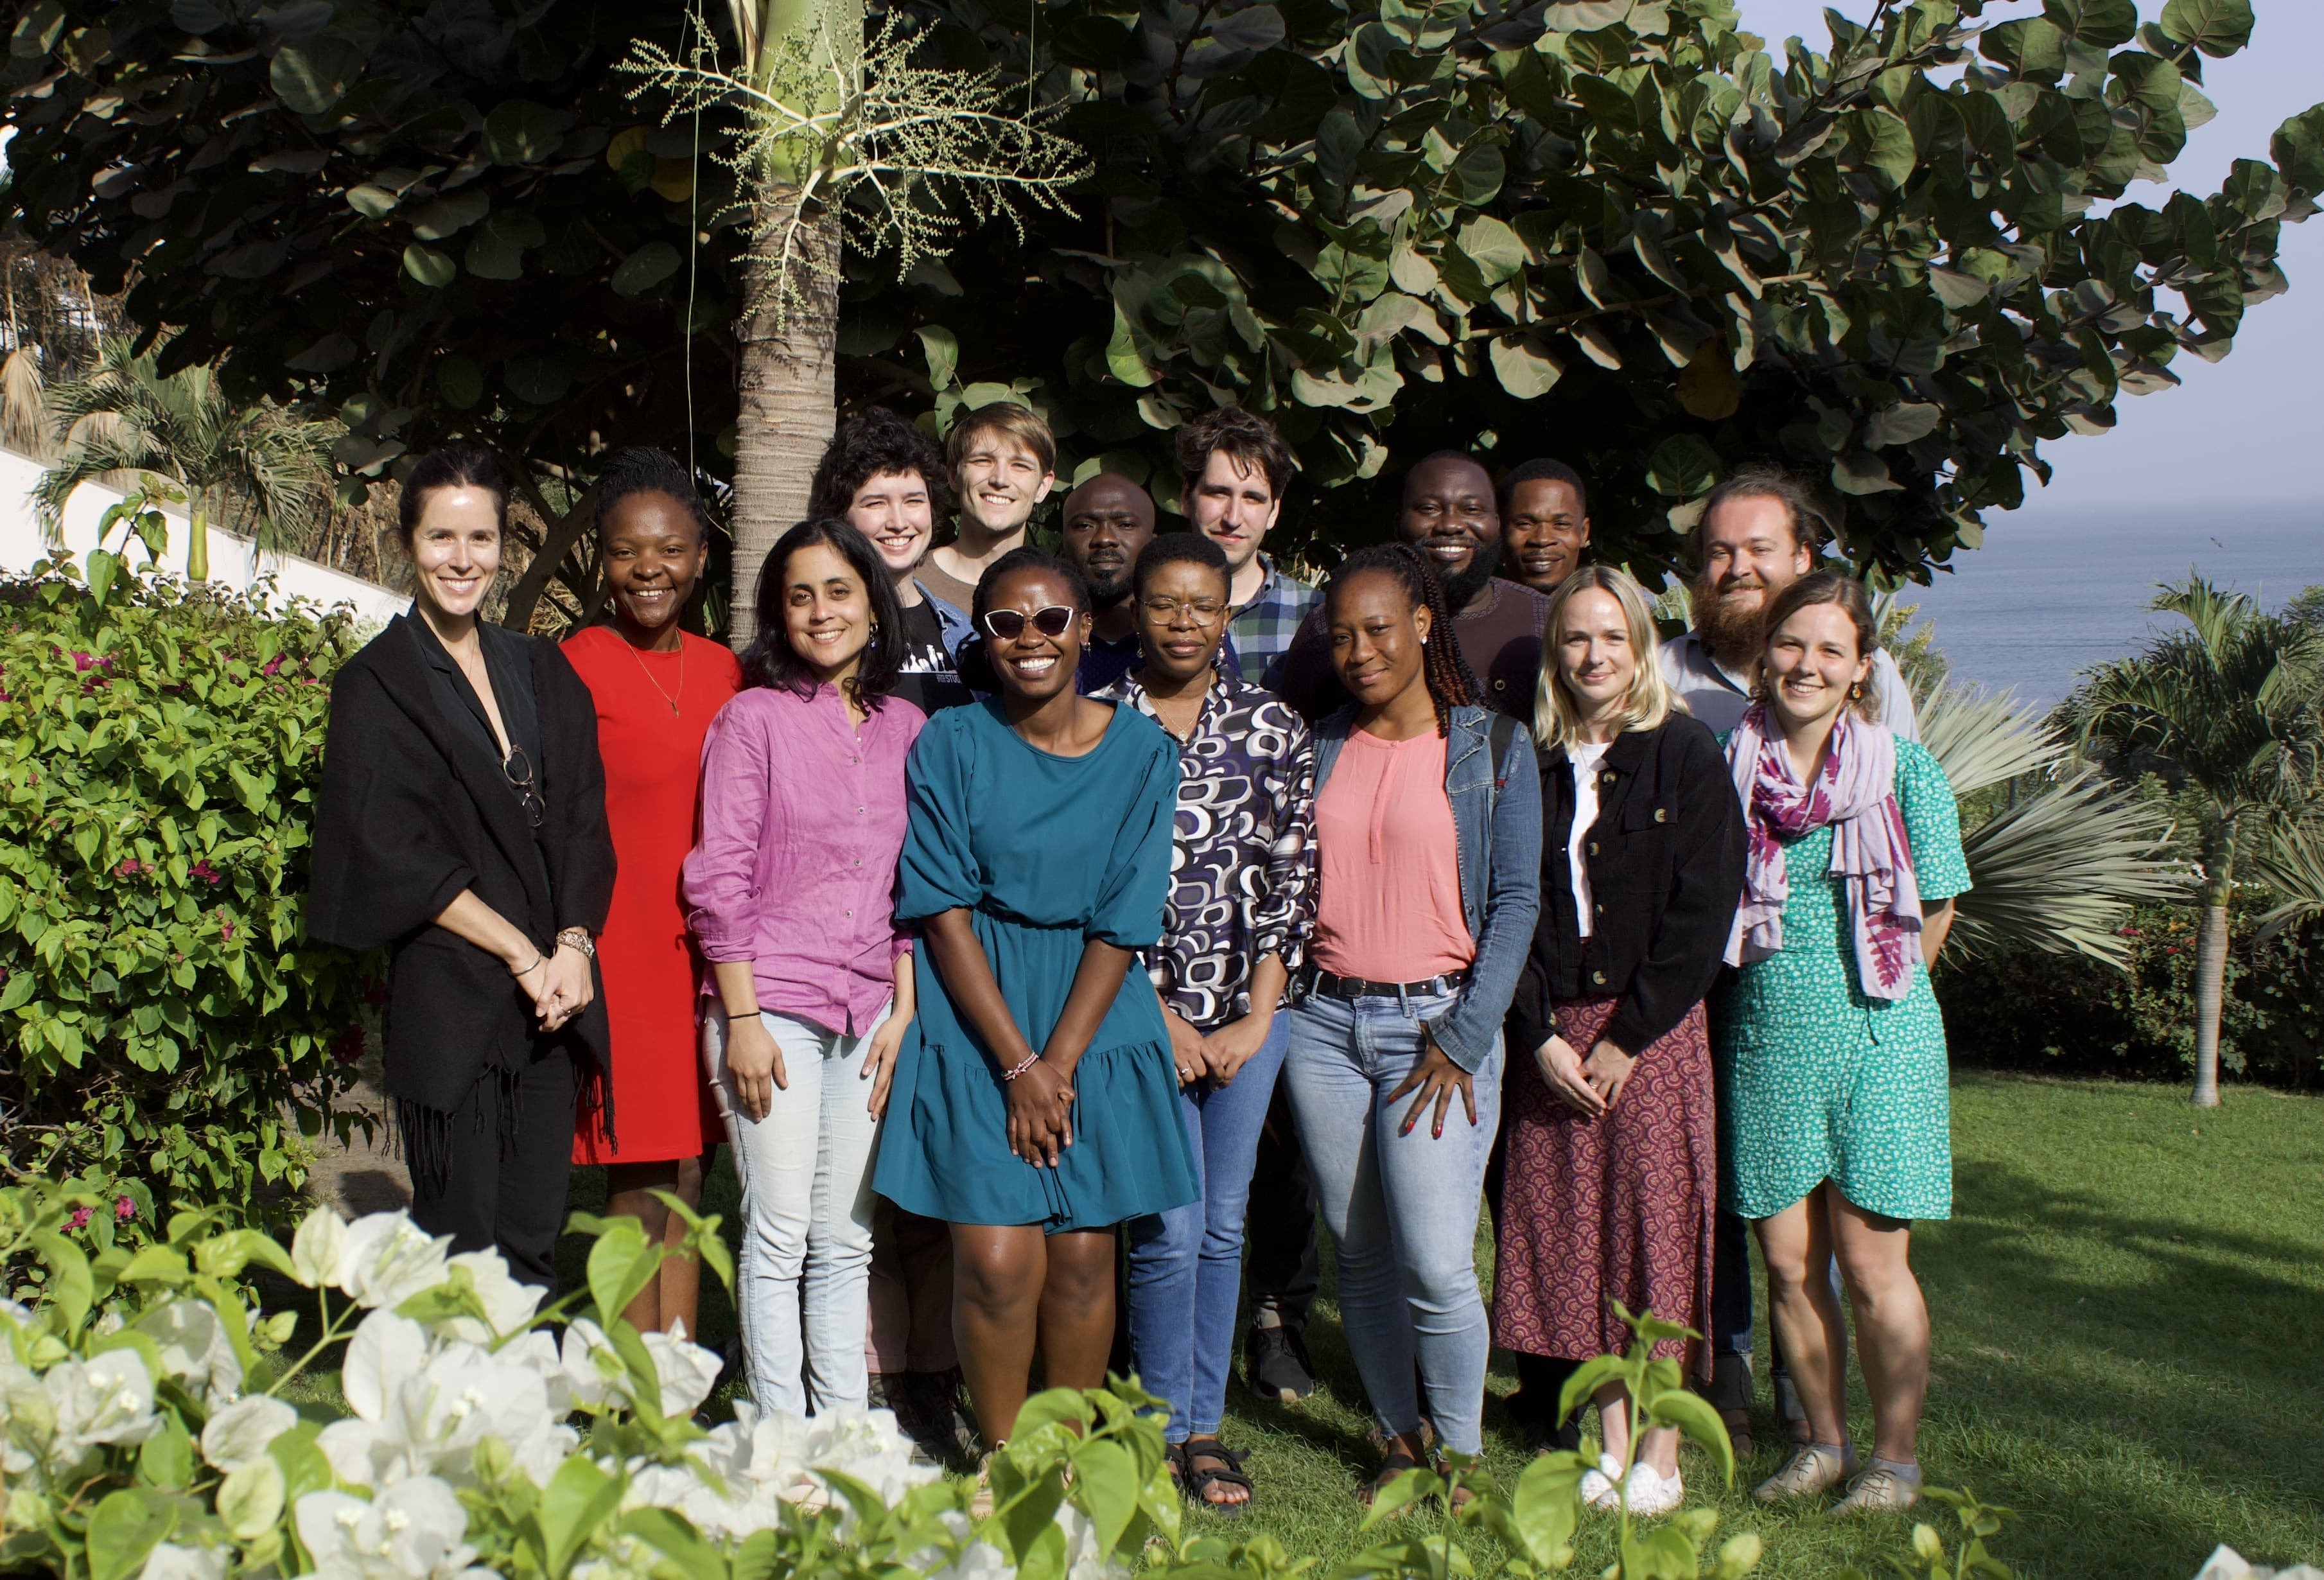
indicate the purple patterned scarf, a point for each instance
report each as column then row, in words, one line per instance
column 1856, row 793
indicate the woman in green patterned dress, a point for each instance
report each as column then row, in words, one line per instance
column 1834, row 1118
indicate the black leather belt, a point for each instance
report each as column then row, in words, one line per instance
column 1323, row 982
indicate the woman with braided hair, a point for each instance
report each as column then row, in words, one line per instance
column 1428, row 850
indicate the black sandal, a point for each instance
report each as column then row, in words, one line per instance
column 1392, row 1465
column 1174, row 1457
column 1228, row 1472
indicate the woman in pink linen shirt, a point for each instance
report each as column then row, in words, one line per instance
column 789, row 893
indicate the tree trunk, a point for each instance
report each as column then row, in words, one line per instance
column 789, row 405
column 2211, row 966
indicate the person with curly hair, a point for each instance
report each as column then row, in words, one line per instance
column 884, row 478
column 1428, row 853
column 657, row 688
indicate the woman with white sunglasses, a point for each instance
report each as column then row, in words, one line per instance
column 1036, row 1105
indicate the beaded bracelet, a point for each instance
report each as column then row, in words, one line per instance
column 1027, row 1063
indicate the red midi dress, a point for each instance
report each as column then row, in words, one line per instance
column 653, row 793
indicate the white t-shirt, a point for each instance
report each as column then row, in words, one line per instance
column 1585, row 758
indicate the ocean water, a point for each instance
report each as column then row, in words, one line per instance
column 2053, row 593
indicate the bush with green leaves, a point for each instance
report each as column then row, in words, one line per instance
column 2022, row 1010
column 161, row 1014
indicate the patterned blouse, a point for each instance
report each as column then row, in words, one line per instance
column 1242, row 863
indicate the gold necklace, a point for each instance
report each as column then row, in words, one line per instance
column 666, row 697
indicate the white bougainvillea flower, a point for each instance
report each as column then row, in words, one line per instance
column 240, row 1432
column 26, row 1421
column 766, row 1461
column 411, row 1530
column 387, row 1259
column 508, row 1304
column 318, row 1247
column 195, row 1350
column 687, row 1371
column 536, row 1352
column 422, row 1406
column 107, row 1399
column 168, row 1561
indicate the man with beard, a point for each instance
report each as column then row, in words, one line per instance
column 1107, row 520
column 1448, row 512
column 1758, row 537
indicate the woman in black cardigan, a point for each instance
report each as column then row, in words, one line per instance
column 461, row 823
column 1612, row 1184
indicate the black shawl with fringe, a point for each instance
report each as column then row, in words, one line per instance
column 411, row 811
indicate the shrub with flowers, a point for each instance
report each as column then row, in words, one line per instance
column 160, row 1012
column 144, row 1434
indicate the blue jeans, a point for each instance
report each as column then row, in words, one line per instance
column 1185, row 1265
column 1401, row 1209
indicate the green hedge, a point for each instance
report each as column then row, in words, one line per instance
column 160, row 1015
column 2045, row 1013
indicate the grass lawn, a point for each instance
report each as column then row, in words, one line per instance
column 2129, row 1314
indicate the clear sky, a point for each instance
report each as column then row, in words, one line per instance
column 2247, row 429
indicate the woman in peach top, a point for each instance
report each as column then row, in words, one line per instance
column 1428, row 850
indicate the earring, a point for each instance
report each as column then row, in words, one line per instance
column 1855, row 692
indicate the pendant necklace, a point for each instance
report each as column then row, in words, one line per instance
column 648, row 672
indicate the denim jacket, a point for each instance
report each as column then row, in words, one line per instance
column 953, row 623
column 1497, row 822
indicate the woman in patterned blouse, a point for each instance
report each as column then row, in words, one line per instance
column 1241, row 870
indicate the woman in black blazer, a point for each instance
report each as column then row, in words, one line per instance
column 461, row 825
column 1611, row 1183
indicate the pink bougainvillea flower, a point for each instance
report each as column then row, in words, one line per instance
column 273, row 664
column 207, row 873
column 79, row 1219
column 347, row 1047
column 123, row 1209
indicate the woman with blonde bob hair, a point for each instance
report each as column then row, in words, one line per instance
column 1611, row 1180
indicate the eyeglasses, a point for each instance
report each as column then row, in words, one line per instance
column 1205, row 611
column 517, row 769
column 1050, row 620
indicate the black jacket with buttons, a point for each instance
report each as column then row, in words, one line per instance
column 1665, row 862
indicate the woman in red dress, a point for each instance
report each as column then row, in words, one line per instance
column 656, row 689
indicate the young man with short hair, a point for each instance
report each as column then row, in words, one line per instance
column 1757, row 536
column 1236, row 468
column 1107, row 520
column 1004, row 462
column 1544, row 525
column 882, row 476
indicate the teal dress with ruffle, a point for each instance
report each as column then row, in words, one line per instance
column 1045, row 852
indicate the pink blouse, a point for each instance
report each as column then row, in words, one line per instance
column 802, row 820
column 1387, row 903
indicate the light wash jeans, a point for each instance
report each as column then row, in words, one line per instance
column 1186, row 1264
column 1401, row 1209
column 805, row 1171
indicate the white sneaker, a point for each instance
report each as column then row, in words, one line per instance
column 1599, row 1486
column 1652, row 1492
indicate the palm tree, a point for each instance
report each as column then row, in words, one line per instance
column 2227, row 707
column 2059, row 866
column 843, row 138
column 125, row 415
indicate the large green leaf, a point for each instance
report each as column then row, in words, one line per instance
column 310, row 76
column 2101, row 24
column 1526, row 368
column 2216, row 27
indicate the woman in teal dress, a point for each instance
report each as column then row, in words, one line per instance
column 1035, row 1105
column 1834, row 1118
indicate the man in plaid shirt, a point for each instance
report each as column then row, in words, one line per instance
column 1237, row 468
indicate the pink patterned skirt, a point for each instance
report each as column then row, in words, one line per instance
column 1618, row 1207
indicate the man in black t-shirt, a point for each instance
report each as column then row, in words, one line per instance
column 885, row 478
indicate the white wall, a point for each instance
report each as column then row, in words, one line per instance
column 235, row 560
